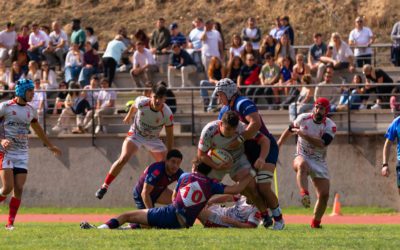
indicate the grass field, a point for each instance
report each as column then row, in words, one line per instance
column 70, row 236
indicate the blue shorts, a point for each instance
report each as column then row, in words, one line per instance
column 163, row 217
column 252, row 150
column 398, row 174
column 138, row 200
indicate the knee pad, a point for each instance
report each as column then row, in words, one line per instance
column 264, row 176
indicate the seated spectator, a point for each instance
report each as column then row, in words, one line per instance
column 284, row 49
column 34, row 72
column 16, row 73
column 39, row 101
column 23, row 37
column 269, row 76
column 48, row 78
column 278, row 30
column 234, row 68
column 249, row 77
column 301, row 68
column 38, row 41
column 286, row 72
column 328, row 92
column 267, row 46
column 59, row 103
column 80, row 108
column 339, row 55
column 395, row 101
column 395, row 36
column 92, row 38
column 305, row 100
column 8, row 38
column 4, row 80
column 361, row 36
column 141, row 36
column 252, row 34
column 216, row 72
column 90, row 65
column 315, row 52
column 176, row 36
column 112, row 57
column 90, row 93
column 73, row 63
column 143, row 65
column 22, row 46
column 236, row 47
column 212, row 44
column 105, row 106
column 353, row 100
column 373, row 79
column 57, row 47
column 78, row 35
column 180, row 62
column 159, row 44
column 171, row 100
column 248, row 50
column 287, row 28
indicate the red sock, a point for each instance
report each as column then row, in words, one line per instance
column 315, row 223
column 14, row 205
column 108, row 180
column 2, row 198
column 304, row 192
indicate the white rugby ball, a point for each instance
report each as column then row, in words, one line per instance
column 220, row 155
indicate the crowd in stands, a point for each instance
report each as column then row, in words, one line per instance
column 251, row 57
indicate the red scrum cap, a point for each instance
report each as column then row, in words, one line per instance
column 323, row 102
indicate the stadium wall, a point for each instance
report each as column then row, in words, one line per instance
column 72, row 180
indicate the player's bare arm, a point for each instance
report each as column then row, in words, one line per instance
column 385, row 162
column 265, row 144
column 131, row 112
column 236, row 223
column 285, row 135
column 252, row 128
column 239, row 187
column 217, row 199
column 208, row 161
column 43, row 137
column 147, row 188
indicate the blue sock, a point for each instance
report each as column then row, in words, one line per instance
column 113, row 223
column 277, row 213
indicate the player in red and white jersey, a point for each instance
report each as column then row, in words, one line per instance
column 16, row 116
column 150, row 116
column 316, row 131
column 241, row 214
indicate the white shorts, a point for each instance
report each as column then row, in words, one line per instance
column 8, row 161
column 317, row 169
column 152, row 145
column 216, row 214
column 239, row 164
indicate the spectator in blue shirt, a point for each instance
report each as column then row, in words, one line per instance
column 180, row 62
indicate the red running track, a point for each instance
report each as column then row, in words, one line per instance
column 289, row 219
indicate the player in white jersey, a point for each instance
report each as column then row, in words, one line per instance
column 151, row 115
column 16, row 116
column 316, row 131
column 241, row 214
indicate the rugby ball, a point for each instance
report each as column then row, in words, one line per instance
column 219, row 156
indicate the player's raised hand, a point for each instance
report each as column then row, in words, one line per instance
column 5, row 143
column 56, row 151
column 385, row 171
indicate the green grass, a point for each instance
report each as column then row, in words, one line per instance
column 287, row 210
column 69, row 236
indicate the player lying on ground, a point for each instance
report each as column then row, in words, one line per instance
column 16, row 116
column 241, row 214
column 220, row 134
column 151, row 115
column 392, row 134
column 316, row 131
column 191, row 194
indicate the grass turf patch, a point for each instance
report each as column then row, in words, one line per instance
column 70, row 236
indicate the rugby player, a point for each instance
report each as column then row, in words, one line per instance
column 150, row 116
column 316, row 131
column 391, row 135
column 16, row 116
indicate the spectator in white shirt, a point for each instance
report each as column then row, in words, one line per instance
column 252, row 34
column 38, row 41
column 212, row 44
column 73, row 63
column 48, row 79
column 57, row 47
column 361, row 36
column 143, row 65
column 39, row 101
column 8, row 39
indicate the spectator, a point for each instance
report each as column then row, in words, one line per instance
column 267, row 46
column 252, row 34
column 8, row 38
column 91, row 95
column 353, row 100
column 140, row 36
column 236, row 46
column 22, row 46
column 284, row 49
column 39, row 101
column 180, row 62
column 45, row 29
column 48, row 78
column 287, row 29
column 269, row 76
column 218, row 27
column 216, row 72
column 112, row 57
column 286, row 72
column 159, row 43
column 90, row 64
column 60, row 99
column 249, row 77
column 395, row 101
column 212, row 45
column 57, row 47
column 248, row 50
column 73, row 63
column 305, row 100
column 395, row 53
column 80, row 108
column 38, row 41
column 301, row 68
column 78, row 35
column 4, row 80
column 34, row 72
column 143, row 65
column 315, row 52
column 339, row 55
column 361, row 36
column 234, row 67
column 16, row 73
column 92, row 38
column 328, row 92
column 195, row 43
column 278, row 30
column 176, row 36
column 374, row 77
column 23, row 38
column 126, row 64
column 171, row 100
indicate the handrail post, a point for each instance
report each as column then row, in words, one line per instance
column 193, row 128
column 44, row 116
column 93, row 125
column 349, row 118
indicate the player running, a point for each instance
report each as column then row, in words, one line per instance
column 16, row 116
column 229, row 96
column 240, row 215
column 191, row 194
column 151, row 115
column 392, row 134
column 316, row 131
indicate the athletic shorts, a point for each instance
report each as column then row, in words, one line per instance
column 252, row 151
column 239, row 164
column 398, row 174
column 317, row 169
column 163, row 217
column 214, row 220
column 152, row 145
column 18, row 163
column 139, row 201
